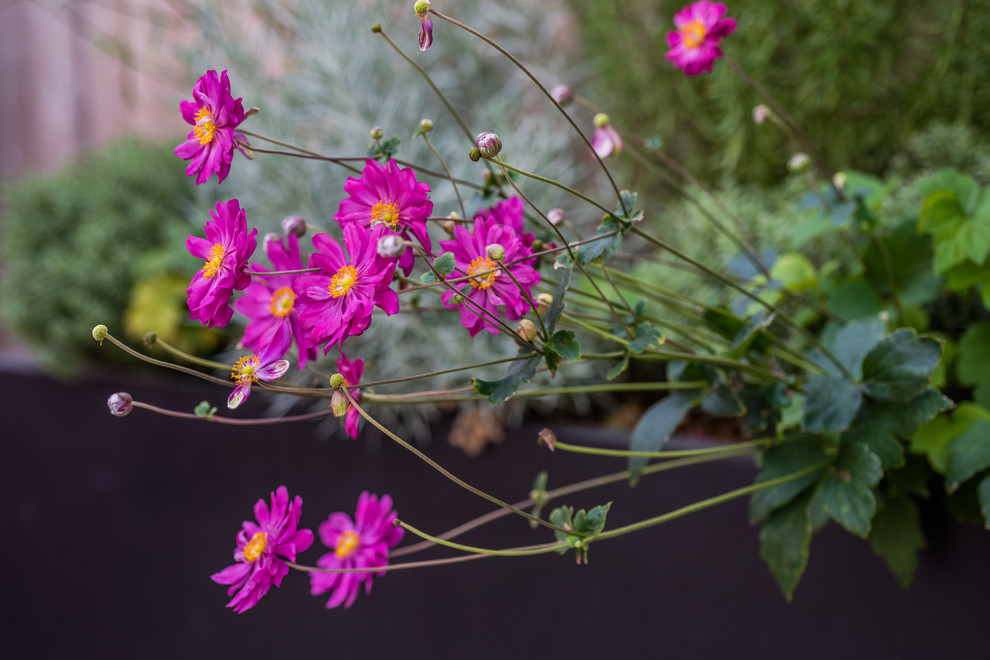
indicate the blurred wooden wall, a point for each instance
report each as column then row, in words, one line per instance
column 75, row 74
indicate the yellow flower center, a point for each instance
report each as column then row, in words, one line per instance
column 214, row 262
column 385, row 212
column 204, row 127
column 243, row 371
column 255, row 546
column 348, row 543
column 282, row 302
column 342, row 282
column 479, row 265
column 693, row 34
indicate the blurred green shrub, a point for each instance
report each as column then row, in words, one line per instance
column 74, row 245
column 860, row 77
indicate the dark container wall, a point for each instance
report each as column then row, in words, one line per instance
column 115, row 525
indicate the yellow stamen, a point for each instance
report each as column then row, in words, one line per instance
column 256, row 546
column 282, row 302
column 385, row 212
column 204, row 127
column 243, row 371
column 479, row 265
column 214, row 262
column 342, row 282
column 348, row 543
column 693, row 34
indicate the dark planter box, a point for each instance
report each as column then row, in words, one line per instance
column 115, row 526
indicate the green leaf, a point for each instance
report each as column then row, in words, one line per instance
column 602, row 248
column 941, row 214
column 853, row 299
column 615, row 371
column 563, row 345
column 556, row 308
column 848, row 491
column 794, row 271
column 584, row 525
column 830, row 404
column 850, row 345
column 969, row 453
column 779, row 461
column 785, row 541
column 204, row 409
column 984, row 495
column 656, row 425
column 897, row 537
column 900, row 366
column 444, row 264
column 499, row 391
column 970, row 240
column 631, row 214
column 934, row 438
column 722, row 401
column 646, row 337
column 883, row 426
column 974, row 354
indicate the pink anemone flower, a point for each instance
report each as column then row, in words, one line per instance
column 352, row 372
column 267, row 366
column 694, row 46
column 214, row 114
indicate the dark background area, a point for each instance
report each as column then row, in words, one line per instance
column 115, row 525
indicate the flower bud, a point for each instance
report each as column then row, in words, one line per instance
column 562, row 94
column 377, row 133
column 421, row 7
column 376, row 28
column 798, row 162
column 556, row 216
column 840, row 181
column 543, row 301
column 293, row 224
column 475, row 154
column 761, row 113
column 601, row 120
column 495, row 252
column 120, row 404
column 150, row 338
column 488, row 144
column 100, row 333
column 336, row 380
column 339, row 404
column 390, row 246
column 526, row 329
column 425, row 125
column 548, row 438
column 448, row 227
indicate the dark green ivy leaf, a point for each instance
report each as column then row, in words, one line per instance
column 830, row 404
column 969, row 454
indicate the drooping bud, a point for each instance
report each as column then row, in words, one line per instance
column 489, row 144
column 120, row 404
column 336, row 380
column 377, row 133
column 100, row 333
column 425, row 125
column 448, row 227
column 562, row 94
column 422, row 8
column 548, row 438
column 293, row 224
column 475, row 154
column 526, row 329
column 544, row 300
column 390, row 246
column 556, row 216
column 495, row 252
column 761, row 113
column 798, row 162
column 339, row 404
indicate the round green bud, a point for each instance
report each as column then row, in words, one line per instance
column 336, row 380
column 601, row 120
column 377, row 133
column 421, row 7
column 426, row 125
column 100, row 332
column 495, row 252
column 150, row 338
column 475, row 154
column 376, row 28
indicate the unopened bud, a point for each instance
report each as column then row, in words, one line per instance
column 840, row 181
column 475, row 154
column 339, row 404
column 377, row 133
column 798, row 162
column 548, row 438
column 556, row 216
column 376, row 28
column 601, row 120
column 495, row 252
column 100, row 333
column 537, row 245
column 425, row 125
column 761, row 113
column 421, row 7
column 562, row 94
column 526, row 329
column 448, row 227
column 390, row 246
column 336, row 380
column 543, row 301
column 456, row 299
column 293, row 224
column 150, row 338
column 489, row 144
column 120, row 404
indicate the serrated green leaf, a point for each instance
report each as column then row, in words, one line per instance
column 428, row 277
column 970, row 240
column 900, row 366
column 883, row 426
column 615, row 371
column 853, row 299
column 722, row 401
column 563, row 345
column 605, row 247
column 779, row 461
column 499, row 391
column 969, row 453
column 785, row 541
column 848, row 491
column 656, row 425
column 646, row 337
column 933, row 439
column 830, row 404
column 896, row 537
column 851, row 344
column 941, row 214
column 444, row 264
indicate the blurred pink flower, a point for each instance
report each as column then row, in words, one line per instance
column 605, row 140
column 214, row 114
column 700, row 28
column 352, row 372
column 267, row 366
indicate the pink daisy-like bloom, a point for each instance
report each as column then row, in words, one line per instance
column 352, row 372
column 605, row 140
column 263, row 547
column 390, row 197
column 214, row 114
column 270, row 302
column 361, row 543
column 226, row 250
column 267, row 366
column 700, row 28
column 338, row 302
column 494, row 289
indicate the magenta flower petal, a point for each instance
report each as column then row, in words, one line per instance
column 214, row 115
column 694, row 46
column 267, row 366
column 352, row 372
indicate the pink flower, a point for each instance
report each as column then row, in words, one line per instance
column 700, row 28
column 262, row 550
column 268, row 366
column 338, row 302
column 226, row 250
column 422, row 7
column 352, row 372
column 494, row 289
column 361, row 543
column 214, row 114
column 390, row 197
column 605, row 139
column 270, row 302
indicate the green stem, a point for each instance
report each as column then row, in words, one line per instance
column 230, row 420
column 621, row 453
column 536, row 550
column 552, row 182
column 209, row 364
column 443, row 164
column 168, row 365
column 404, row 379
